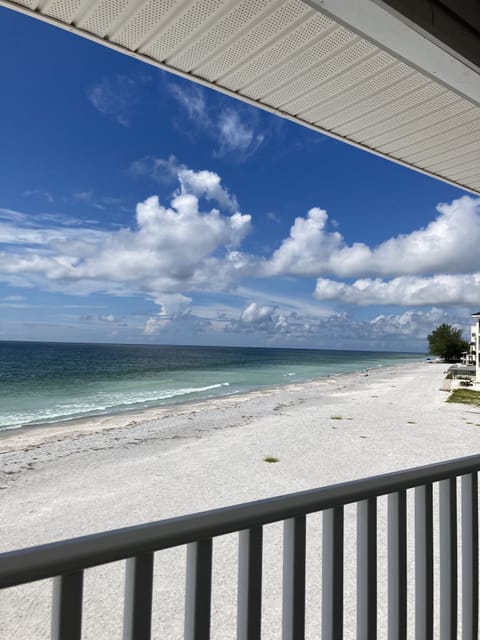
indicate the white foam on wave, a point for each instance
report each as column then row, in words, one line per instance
column 135, row 398
column 102, row 403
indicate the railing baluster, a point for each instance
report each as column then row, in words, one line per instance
column 67, row 606
column 65, row 561
column 250, row 584
column 424, row 563
column 294, row 544
column 367, row 569
column 397, row 566
column 198, row 591
column 470, row 557
column 448, row 559
column 332, row 578
column 137, row 616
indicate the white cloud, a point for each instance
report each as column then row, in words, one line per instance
column 440, row 289
column 175, row 317
column 207, row 184
column 235, row 135
column 449, row 244
column 39, row 193
column 116, row 97
column 263, row 317
column 234, row 130
column 193, row 101
column 40, row 220
column 13, row 298
column 172, row 249
column 308, row 249
column 192, row 244
column 407, row 330
column 204, row 183
column 273, row 217
column 414, row 324
column 160, row 169
column 88, row 198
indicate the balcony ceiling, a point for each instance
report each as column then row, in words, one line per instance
column 303, row 63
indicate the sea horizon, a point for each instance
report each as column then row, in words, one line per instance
column 208, row 346
column 47, row 382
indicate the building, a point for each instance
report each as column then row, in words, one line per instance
column 468, row 357
column 475, row 346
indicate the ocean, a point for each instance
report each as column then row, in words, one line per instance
column 42, row 383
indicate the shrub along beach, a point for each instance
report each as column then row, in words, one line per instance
column 113, row 471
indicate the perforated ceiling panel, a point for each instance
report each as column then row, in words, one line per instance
column 287, row 57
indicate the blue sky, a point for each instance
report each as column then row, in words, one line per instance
column 139, row 207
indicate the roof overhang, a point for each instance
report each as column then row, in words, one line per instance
column 383, row 76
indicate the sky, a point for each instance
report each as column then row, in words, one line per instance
column 138, row 207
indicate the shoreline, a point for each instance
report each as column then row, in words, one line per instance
column 198, row 456
column 128, row 417
column 27, row 449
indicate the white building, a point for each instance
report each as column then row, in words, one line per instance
column 475, row 345
column 468, row 357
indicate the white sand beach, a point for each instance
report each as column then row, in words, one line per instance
column 63, row 481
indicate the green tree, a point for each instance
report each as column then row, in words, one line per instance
column 447, row 342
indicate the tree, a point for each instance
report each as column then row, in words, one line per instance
column 447, row 342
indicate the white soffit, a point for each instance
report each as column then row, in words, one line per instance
column 401, row 97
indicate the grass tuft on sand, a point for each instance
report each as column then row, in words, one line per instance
column 465, row 396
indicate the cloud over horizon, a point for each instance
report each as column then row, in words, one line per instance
column 444, row 290
column 449, row 244
column 193, row 244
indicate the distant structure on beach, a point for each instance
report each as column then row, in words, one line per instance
column 475, row 345
column 472, row 357
column 468, row 357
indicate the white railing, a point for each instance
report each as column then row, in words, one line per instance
column 66, row 561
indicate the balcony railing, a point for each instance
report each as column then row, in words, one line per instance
column 457, row 528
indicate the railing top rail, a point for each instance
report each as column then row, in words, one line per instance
column 49, row 560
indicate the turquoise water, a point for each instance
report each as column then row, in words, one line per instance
column 50, row 382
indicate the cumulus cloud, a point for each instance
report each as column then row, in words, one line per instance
column 405, row 290
column 449, row 244
column 193, row 243
column 207, row 184
column 171, row 249
column 262, row 318
column 234, row 130
column 175, row 316
column 413, row 324
column 308, row 249
column 406, row 330
column 204, row 183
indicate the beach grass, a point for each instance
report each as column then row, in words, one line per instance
column 465, row 396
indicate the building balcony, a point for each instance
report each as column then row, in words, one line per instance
column 421, row 509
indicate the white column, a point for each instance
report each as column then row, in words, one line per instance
column 477, row 354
